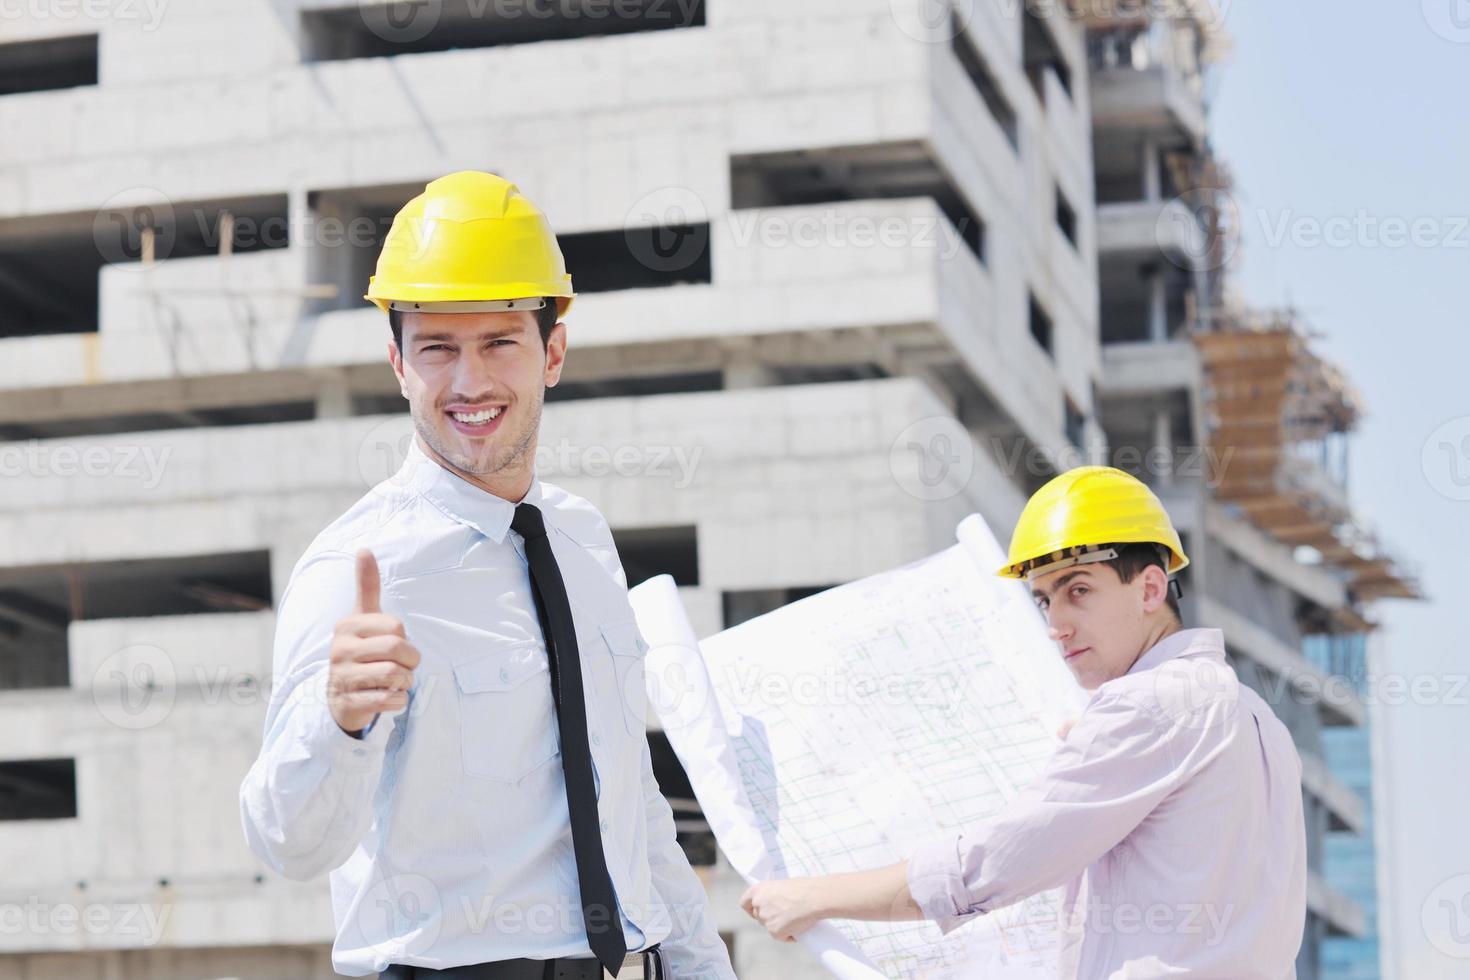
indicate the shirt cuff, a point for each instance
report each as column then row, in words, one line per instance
column 937, row 882
column 329, row 740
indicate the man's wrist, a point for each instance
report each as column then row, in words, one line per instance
column 824, row 897
column 881, row 894
column 359, row 733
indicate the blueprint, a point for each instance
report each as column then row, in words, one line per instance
column 837, row 732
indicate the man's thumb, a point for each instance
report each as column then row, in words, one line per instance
column 368, row 582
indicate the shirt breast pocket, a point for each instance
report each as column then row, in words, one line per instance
column 507, row 728
column 627, row 681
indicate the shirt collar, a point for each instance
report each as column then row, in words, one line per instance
column 1185, row 643
column 458, row 498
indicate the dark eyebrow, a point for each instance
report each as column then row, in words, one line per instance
column 1059, row 584
column 489, row 335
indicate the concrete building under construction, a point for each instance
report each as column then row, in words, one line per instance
column 1243, row 430
column 847, row 272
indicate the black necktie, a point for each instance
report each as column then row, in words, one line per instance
column 599, row 903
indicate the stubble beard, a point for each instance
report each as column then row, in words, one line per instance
column 492, row 461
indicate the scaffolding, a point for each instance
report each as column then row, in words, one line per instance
column 1121, row 23
column 1280, row 415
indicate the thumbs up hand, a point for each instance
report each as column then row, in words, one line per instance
column 372, row 662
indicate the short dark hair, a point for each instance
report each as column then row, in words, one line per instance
column 1134, row 558
column 546, row 318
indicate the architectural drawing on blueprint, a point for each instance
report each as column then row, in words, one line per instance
column 862, row 720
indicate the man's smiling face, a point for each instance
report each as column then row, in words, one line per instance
column 475, row 383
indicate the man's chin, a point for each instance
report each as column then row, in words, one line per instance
column 467, row 454
column 1088, row 680
column 475, row 460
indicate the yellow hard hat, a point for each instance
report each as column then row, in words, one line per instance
column 1073, row 519
column 471, row 242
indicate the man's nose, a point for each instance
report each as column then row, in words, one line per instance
column 1058, row 629
column 473, row 378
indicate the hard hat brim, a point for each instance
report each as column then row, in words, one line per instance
column 438, row 299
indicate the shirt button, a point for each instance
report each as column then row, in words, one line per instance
column 504, row 675
column 603, row 825
column 596, row 739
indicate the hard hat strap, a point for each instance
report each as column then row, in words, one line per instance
column 1086, row 555
column 1080, row 555
column 528, row 305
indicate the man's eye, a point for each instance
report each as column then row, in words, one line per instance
column 436, row 347
column 1079, row 591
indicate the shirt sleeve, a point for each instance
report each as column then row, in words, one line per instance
column 1117, row 764
column 693, row 948
column 306, row 803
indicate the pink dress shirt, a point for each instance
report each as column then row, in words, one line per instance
column 1171, row 813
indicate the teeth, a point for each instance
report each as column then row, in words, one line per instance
column 476, row 418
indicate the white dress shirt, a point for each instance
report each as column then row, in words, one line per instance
column 1172, row 813
column 445, row 827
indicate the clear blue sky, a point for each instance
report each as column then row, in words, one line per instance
column 1359, row 113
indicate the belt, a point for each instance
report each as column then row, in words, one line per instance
column 651, row 961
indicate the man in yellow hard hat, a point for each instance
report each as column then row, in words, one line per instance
column 457, row 729
column 1171, row 811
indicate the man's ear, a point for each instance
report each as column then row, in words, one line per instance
column 395, row 360
column 1155, row 588
column 556, row 354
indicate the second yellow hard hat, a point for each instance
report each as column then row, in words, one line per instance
column 1082, row 510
